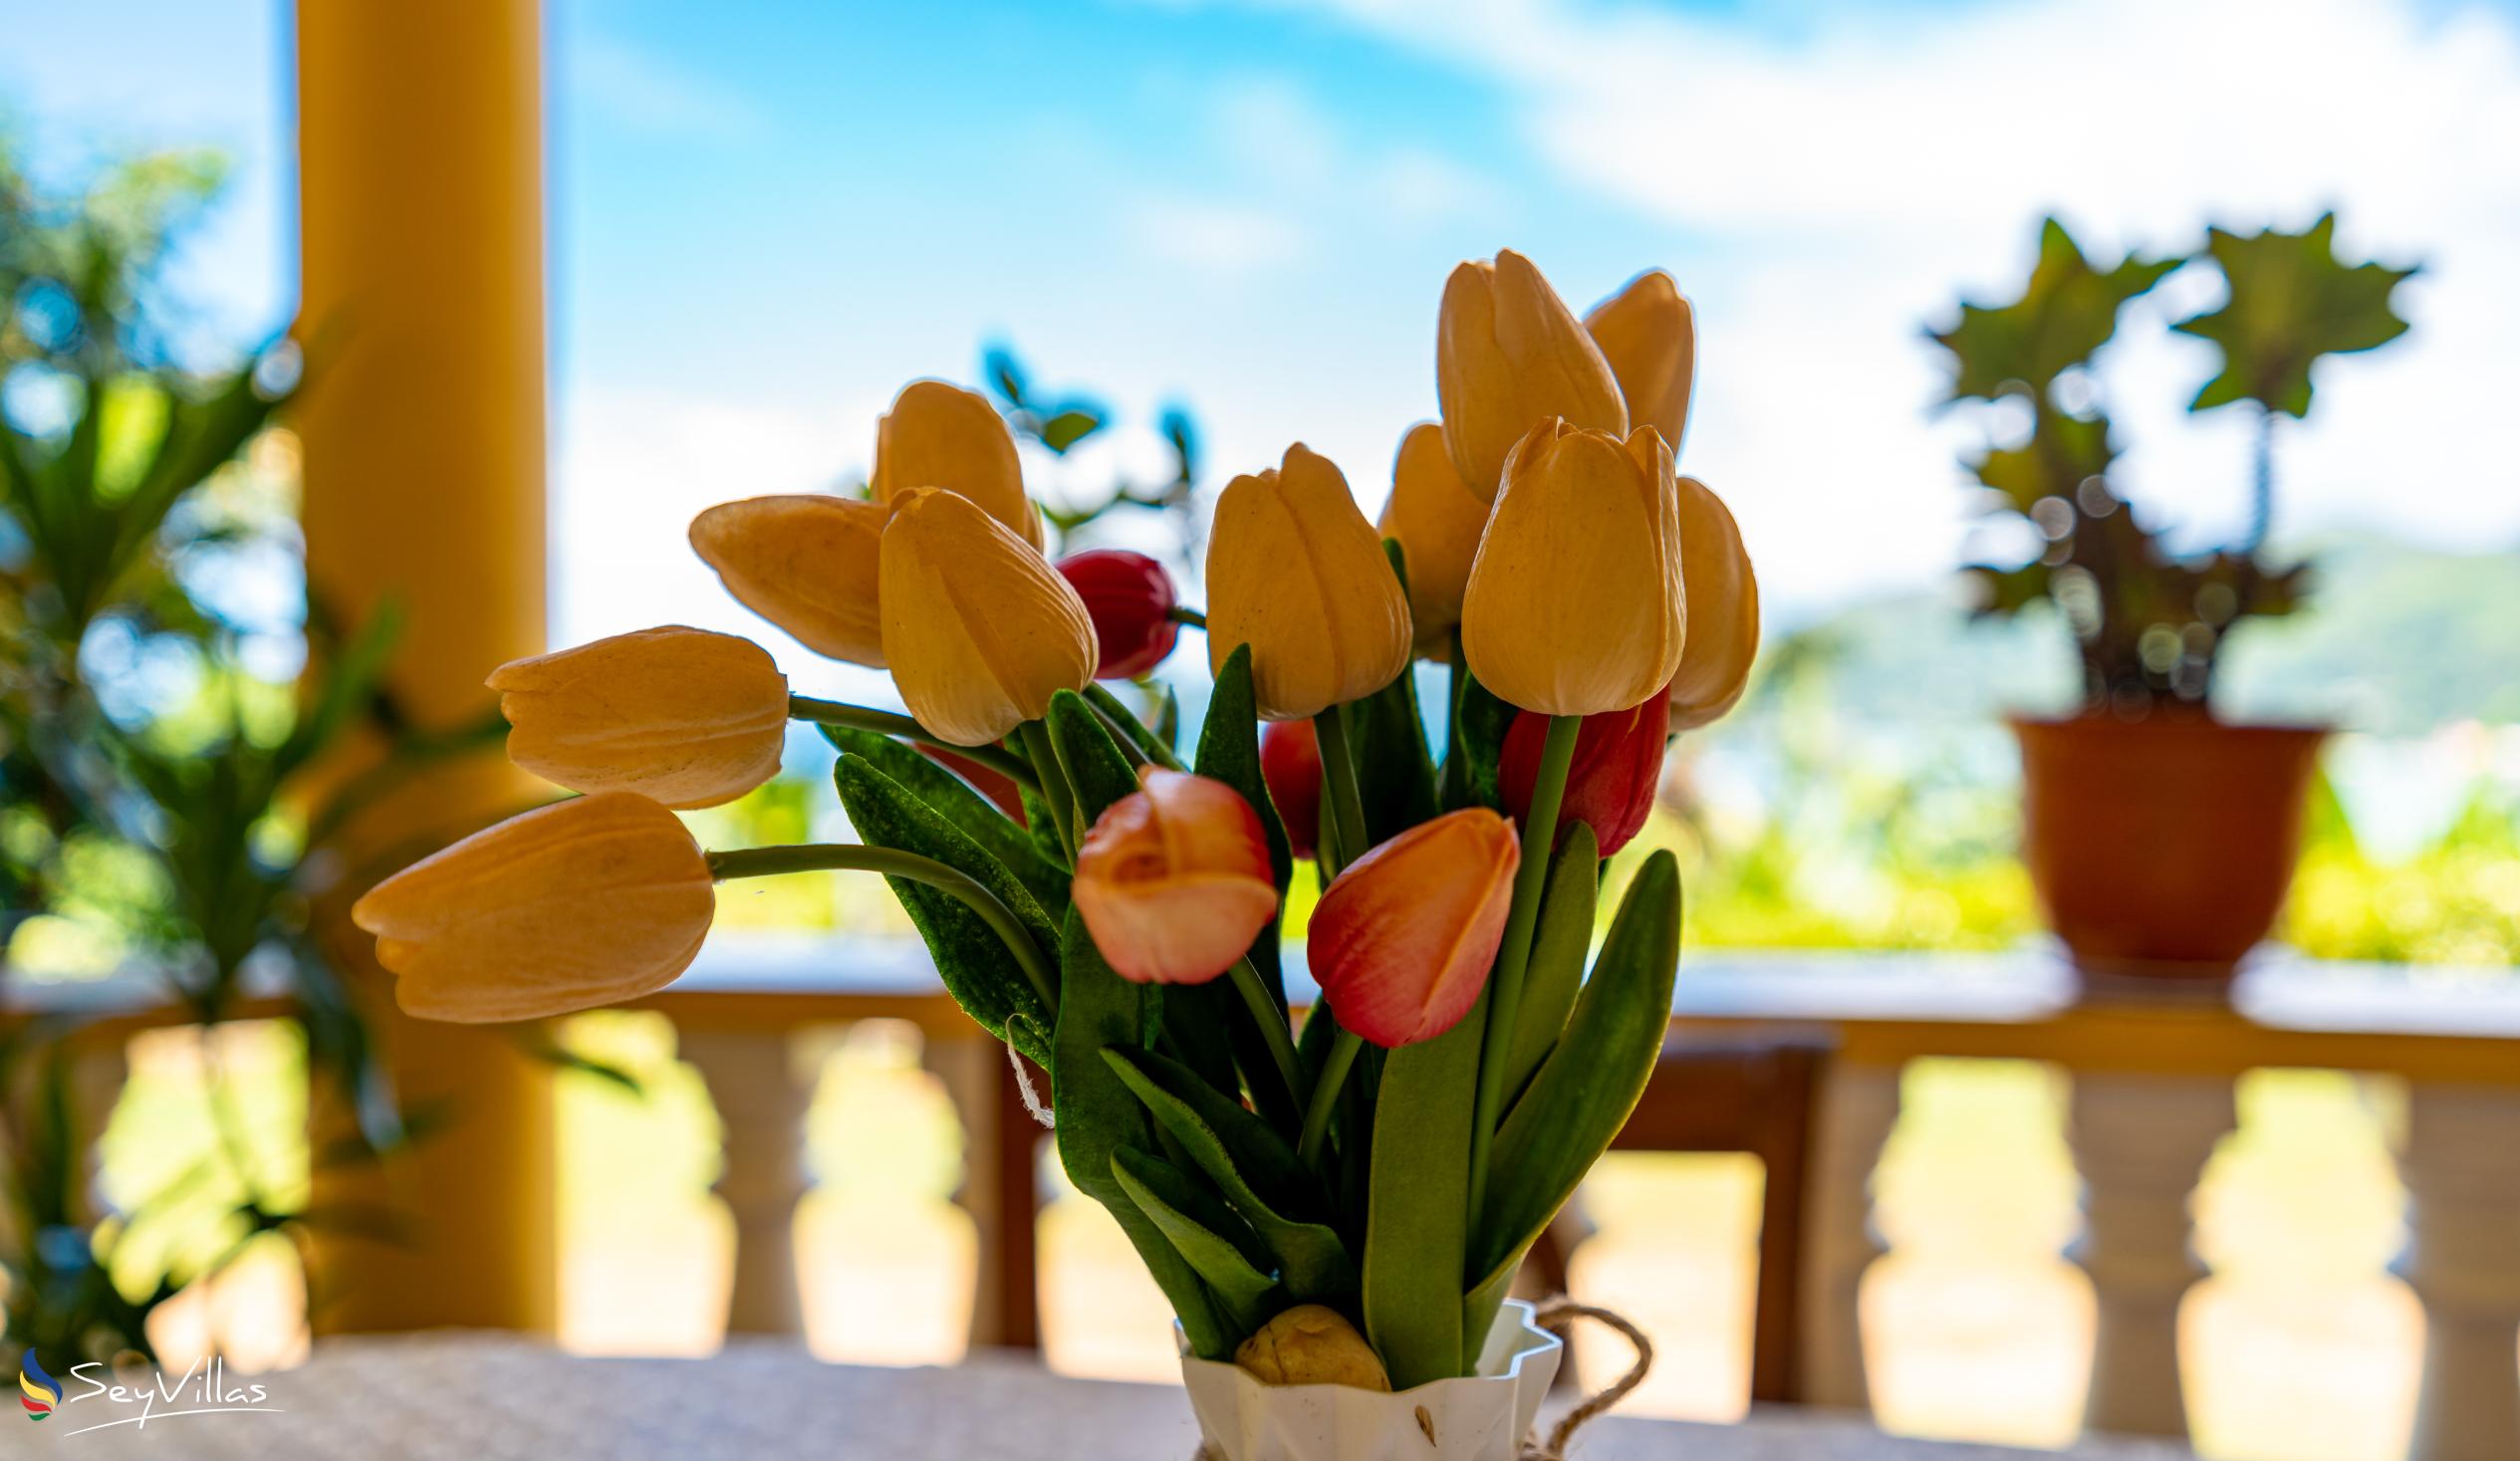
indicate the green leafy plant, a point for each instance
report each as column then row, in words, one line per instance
column 156, row 811
column 2148, row 622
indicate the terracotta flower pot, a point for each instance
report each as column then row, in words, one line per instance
column 2162, row 848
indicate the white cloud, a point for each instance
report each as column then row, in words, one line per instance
column 652, row 95
column 1841, row 186
column 1224, row 237
column 635, row 466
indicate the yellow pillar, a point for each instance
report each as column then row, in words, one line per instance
column 419, row 149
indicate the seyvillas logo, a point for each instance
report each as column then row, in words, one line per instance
column 38, row 1392
column 139, row 1400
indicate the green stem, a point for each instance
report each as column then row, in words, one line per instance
column 1339, row 780
column 892, row 863
column 1334, row 1075
column 1264, row 1009
column 1054, row 785
column 892, row 723
column 1513, row 956
column 1192, row 617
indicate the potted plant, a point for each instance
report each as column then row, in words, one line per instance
column 1334, row 1208
column 2160, row 838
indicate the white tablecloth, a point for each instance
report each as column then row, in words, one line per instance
column 476, row 1397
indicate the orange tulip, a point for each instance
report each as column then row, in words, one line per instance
column 1575, row 604
column 1402, row 941
column 806, row 563
column 1296, row 571
column 683, row 717
column 979, row 629
column 1723, row 611
column 580, row 903
column 1437, row 523
column 1173, row 880
column 940, row 435
column 1648, row 335
column 1509, row 355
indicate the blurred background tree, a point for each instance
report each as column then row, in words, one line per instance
column 164, row 690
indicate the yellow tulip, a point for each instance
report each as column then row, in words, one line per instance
column 1437, row 523
column 1648, row 335
column 1296, row 571
column 940, row 435
column 1575, row 604
column 1509, row 355
column 1723, row 610
column 806, row 563
column 683, row 717
column 979, row 629
column 582, row 904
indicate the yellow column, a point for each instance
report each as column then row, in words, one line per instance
column 420, row 146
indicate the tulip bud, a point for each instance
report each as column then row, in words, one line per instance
column 1290, row 762
column 1402, row 941
column 940, row 435
column 1575, row 604
column 1723, row 610
column 1296, row 571
column 1437, row 523
column 1173, row 880
column 806, row 563
column 980, row 631
column 1611, row 783
column 1313, row 1345
column 1509, row 355
column 1130, row 599
column 1648, row 335
column 580, row 903
column 680, row 716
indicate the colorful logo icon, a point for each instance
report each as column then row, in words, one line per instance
column 36, row 1391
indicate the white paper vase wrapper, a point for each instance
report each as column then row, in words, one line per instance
column 1482, row 1417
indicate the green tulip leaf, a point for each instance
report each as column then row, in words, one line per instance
column 977, row 970
column 949, row 797
column 1588, row 1086
column 1558, row 951
column 1119, row 719
column 1395, row 769
column 1218, row 1244
column 1099, row 1118
column 1416, row 1233
column 1470, row 768
column 1252, row 1165
column 2292, row 300
column 1098, row 770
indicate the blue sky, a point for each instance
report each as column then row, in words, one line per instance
column 766, row 217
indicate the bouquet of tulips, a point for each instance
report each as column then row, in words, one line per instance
column 1344, row 1200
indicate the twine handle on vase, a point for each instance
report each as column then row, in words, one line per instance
column 1554, row 1315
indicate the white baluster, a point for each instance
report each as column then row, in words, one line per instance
column 2140, row 1143
column 2462, row 1173
column 1858, row 1109
column 761, row 1101
column 973, row 1067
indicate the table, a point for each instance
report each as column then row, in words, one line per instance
column 498, row 1397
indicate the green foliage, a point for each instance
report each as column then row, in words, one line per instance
column 2292, row 299
column 2148, row 625
column 976, row 966
column 1418, row 1221
column 2066, row 311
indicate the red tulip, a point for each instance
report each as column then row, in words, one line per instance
column 988, row 781
column 1290, row 762
column 1130, row 599
column 1610, row 785
column 1402, row 941
column 1173, row 880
